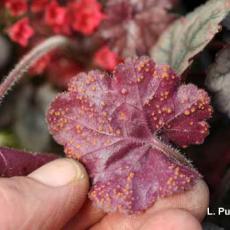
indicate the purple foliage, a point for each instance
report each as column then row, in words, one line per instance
column 19, row 163
column 133, row 26
column 120, row 127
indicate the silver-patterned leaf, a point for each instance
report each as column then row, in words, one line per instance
column 218, row 80
column 187, row 36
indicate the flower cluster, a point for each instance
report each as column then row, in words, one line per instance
column 111, row 33
column 82, row 16
column 33, row 21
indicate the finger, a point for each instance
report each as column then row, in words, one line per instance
column 171, row 219
column 88, row 216
column 166, row 219
column 194, row 201
column 46, row 199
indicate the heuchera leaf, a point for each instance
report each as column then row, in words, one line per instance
column 118, row 127
column 187, row 36
column 19, row 163
column 218, row 80
column 132, row 27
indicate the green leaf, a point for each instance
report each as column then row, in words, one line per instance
column 7, row 138
column 187, row 36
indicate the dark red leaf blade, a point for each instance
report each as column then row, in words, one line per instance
column 19, row 163
column 178, row 112
column 108, row 123
column 188, row 125
column 135, row 182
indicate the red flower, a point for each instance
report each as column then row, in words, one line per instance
column 21, row 32
column 40, row 65
column 87, row 16
column 62, row 69
column 16, row 7
column 106, row 58
column 56, row 17
column 38, row 5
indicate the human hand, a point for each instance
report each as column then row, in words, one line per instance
column 55, row 197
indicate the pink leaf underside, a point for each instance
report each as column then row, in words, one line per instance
column 134, row 26
column 116, row 126
column 19, row 163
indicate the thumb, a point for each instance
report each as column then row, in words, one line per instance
column 46, row 199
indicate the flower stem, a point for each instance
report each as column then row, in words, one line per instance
column 29, row 60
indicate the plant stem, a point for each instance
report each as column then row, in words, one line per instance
column 30, row 59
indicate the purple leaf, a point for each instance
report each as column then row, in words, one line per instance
column 19, row 163
column 133, row 27
column 118, row 127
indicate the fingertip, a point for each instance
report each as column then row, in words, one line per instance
column 171, row 219
column 60, row 172
column 87, row 217
column 194, row 201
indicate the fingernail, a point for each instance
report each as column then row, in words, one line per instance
column 59, row 172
